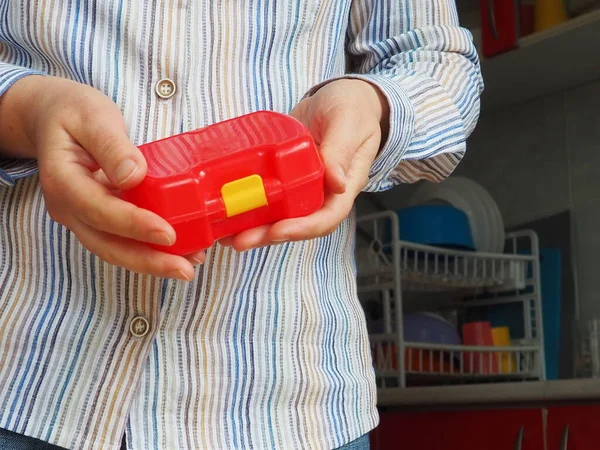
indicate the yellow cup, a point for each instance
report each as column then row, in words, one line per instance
column 549, row 13
column 501, row 338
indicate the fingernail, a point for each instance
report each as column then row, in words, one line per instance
column 125, row 171
column 160, row 238
column 178, row 274
column 196, row 260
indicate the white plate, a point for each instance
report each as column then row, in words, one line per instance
column 499, row 222
column 484, row 217
column 489, row 222
column 495, row 221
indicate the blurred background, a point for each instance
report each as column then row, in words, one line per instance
column 489, row 283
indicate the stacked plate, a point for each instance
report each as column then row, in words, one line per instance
column 487, row 226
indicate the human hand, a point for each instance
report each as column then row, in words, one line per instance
column 84, row 157
column 347, row 119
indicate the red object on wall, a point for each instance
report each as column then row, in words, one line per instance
column 499, row 26
column 238, row 174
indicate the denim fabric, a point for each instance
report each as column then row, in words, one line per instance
column 362, row 443
column 13, row 441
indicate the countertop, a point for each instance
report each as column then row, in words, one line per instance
column 524, row 393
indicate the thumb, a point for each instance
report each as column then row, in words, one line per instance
column 340, row 140
column 331, row 135
column 107, row 142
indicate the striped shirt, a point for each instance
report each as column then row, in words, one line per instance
column 267, row 349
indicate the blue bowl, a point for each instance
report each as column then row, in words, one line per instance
column 436, row 225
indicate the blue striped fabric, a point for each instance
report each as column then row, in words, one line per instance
column 267, row 349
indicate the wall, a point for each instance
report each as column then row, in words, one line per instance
column 538, row 159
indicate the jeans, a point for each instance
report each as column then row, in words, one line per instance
column 13, row 441
column 362, row 443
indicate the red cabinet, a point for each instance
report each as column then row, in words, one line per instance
column 461, row 430
column 574, row 427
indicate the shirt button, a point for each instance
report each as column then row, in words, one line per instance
column 165, row 88
column 139, row 326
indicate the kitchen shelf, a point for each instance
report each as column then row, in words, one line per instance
column 545, row 62
column 438, row 363
column 388, row 267
column 429, row 269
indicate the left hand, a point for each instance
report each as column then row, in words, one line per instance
column 347, row 119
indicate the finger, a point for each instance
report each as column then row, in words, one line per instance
column 253, row 238
column 301, row 113
column 319, row 224
column 132, row 255
column 94, row 205
column 344, row 134
column 226, row 241
column 101, row 178
column 324, row 221
column 197, row 258
column 101, row 131
column 337, row 134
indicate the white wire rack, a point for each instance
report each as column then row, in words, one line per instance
column 458, row 363
column 389, row 268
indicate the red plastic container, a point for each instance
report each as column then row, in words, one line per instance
column 479, row 334
column 234, row 175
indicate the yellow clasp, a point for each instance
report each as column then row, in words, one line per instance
column 244, row 195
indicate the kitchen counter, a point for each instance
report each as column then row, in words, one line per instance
column 524, row 393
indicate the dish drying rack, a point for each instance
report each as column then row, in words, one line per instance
column 387, row 270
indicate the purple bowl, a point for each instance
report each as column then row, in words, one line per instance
column 429, row 328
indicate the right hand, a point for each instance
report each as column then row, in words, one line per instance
column 84, row 155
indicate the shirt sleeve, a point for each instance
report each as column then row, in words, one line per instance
column 427, row 67
column 13, row 169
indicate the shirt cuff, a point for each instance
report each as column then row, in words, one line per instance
column 401, row 126
column 13, row 169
